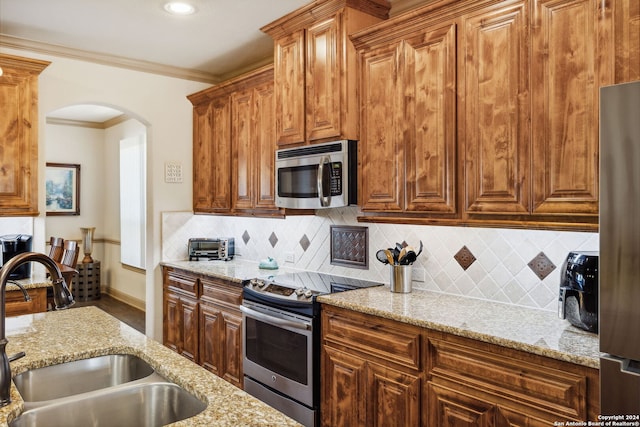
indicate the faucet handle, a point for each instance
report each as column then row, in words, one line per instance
column 17, row 356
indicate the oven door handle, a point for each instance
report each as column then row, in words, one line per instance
column 275, row 320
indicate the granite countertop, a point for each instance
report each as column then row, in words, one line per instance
column 32, row 283
column 62, row 336
column 235, row 270
column 532, row 330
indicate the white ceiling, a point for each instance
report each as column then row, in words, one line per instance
column 220, row 40
column 222, row 37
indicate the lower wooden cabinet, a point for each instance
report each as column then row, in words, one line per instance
column 202, row 322
column 379, row 372
column 15, row 305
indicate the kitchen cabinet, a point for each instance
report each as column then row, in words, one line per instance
column 315, row 69
column 15, row 305
column 221, row 330
column 19, row 135
column 180, row 313
column 234, row 146
column 202, row 321
column 377, row 371
column 485, row 112
column 627, row 41
column 572, row 58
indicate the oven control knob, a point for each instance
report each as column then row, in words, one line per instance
column 300, row 291
column 308, row 293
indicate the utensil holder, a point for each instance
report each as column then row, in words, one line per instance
column 400, row 278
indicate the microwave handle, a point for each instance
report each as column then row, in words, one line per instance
column 324, row 200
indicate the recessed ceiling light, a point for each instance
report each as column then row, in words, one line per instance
column 179, row 8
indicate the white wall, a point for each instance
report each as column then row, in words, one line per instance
column 157, row 101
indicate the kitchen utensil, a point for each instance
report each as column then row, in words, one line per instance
column 382, row 256
column 409, row 258
column 419, row 250
column 401, row 255
column 390, row 257
column 395, row 253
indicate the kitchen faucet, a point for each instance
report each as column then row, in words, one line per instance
column 61, row 296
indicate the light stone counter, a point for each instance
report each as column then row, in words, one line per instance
column 535, row 331
column 235, row 270
column 78, row 333
column 32, row 283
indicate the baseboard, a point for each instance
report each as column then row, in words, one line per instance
column 125, row 298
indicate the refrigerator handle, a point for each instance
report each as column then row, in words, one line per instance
column 619, row 386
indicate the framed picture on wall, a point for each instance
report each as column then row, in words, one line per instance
column 62, row 183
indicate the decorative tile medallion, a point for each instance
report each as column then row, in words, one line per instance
column 246, row 237
column 273, row 239
column 305, row 243
column 541, row 265
column 350, row 246
column 465, row 258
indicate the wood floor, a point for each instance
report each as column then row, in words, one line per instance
column 123, row 312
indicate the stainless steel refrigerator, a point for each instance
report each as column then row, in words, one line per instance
column 619, row 314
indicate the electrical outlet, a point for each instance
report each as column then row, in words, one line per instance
column 418, row 274
column 289, row 257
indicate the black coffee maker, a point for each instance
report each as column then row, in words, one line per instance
column 578, row 302
column 12, row 245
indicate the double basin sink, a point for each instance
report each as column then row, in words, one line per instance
column 113, row 390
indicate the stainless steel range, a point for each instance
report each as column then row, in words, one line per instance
column 281, row 334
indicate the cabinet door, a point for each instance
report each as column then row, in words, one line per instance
column 323, row 80
column 627, row 40
column 15, row 305
column 448, row 407
column 171, row 325
column 18, row 135
column 203, row 166
column 495, row 110
column 210, row 335
column 381, row 159
column 343, row 397
column 242, row 149
column 571, row 60
column 393, row 398
column 265, row 147
column 232, row 348
column 289, row 88
column 430, row 80
column 221, row 171
column 188, row 312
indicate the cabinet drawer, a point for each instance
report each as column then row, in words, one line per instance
column 221, row 292
column 184, row 282
column 385, row 340
column 509, row 377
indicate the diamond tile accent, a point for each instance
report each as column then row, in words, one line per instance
column 464, row 257
column 273, row 239
column 305, row 242
column 541, row 265
column 246, row 237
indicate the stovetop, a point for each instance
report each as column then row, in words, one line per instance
column 300, row 288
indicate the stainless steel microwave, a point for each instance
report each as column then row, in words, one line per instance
column 317, row 176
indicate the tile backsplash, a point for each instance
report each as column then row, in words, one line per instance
column 519, row 267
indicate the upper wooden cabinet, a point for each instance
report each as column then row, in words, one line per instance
column 315, row 69
column 486, row 112
column 234, row 146
column 19, row 135
column 627, row 41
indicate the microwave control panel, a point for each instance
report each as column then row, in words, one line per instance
column 336, row 178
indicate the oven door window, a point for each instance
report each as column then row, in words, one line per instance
column 277, row 349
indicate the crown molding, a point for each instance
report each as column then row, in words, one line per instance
column 105, row 59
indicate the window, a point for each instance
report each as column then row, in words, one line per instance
column 133, row 200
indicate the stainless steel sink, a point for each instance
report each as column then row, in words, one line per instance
column 140, row 405
column 80, row 376
column 113, row 390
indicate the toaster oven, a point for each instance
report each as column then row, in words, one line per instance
column 219, row 248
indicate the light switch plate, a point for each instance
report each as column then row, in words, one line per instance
column 173, row 172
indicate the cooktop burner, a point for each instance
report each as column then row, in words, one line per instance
column 302, row 287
